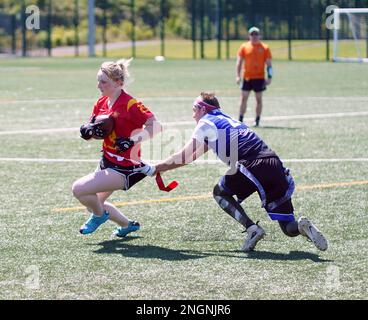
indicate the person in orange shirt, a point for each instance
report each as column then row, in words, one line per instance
column 252, row 58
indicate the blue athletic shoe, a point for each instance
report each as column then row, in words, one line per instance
column 93, row 223
column 122, row 232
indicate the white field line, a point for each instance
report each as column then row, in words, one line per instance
column 290, row 117
column 185, row 123
column 198, row 162
column 38, row 160
column 38, row 131
column 166, row 98
column 44, row 101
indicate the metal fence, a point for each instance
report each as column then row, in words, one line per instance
column 132, row 21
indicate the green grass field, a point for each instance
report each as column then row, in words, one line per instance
column 187, row 247
column 301, row 50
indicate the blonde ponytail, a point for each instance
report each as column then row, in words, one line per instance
column 117, row 71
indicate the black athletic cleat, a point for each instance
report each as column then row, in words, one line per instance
column 256, row 121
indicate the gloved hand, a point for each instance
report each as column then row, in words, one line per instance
column 86, row 131
column 97, row 130
column 123, row 144
column 147, row 169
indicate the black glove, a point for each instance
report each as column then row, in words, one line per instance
column 123, row 144
column 86, row 131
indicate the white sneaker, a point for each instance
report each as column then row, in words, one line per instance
column 254, row 234
column 309, row 230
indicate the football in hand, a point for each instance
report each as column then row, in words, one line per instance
column 102, row 126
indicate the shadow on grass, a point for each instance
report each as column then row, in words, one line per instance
column 122, row 247
column 292, row 255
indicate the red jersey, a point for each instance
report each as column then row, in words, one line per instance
column 129, row 115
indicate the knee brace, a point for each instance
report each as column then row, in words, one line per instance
column 218, row 195
column 231, row 206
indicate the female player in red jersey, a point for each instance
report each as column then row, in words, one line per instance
column 133, row 123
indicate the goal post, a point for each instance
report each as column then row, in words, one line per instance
column 350, row 35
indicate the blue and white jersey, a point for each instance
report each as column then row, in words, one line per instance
column 231, row 140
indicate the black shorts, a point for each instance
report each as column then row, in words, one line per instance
column 270, row 173
column 257, row 85
column 131, row 177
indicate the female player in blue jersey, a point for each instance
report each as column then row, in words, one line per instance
column 254, row 167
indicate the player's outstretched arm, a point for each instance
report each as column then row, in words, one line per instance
column 190, row 152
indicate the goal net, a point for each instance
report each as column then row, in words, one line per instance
column 351, row 35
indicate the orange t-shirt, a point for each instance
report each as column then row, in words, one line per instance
column 255, row 56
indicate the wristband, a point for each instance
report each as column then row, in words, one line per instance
column 269, row 72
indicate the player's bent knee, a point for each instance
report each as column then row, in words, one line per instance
column 287, row 228
column 283, row 229
column 77, row 189
column 220, row 196
column 217, row 191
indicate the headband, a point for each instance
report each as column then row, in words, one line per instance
column 208, row 107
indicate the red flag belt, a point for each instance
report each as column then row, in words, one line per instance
column 160, row 183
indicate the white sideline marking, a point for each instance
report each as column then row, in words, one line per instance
column 199, row 162
column 317, row 116
column 291, row 117
column 165, row 98
column 45, row 160
column 45, row 101
column 192, row 122
column 215, row 161
column 36, row 131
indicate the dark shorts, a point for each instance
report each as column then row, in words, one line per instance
column 270, row 173
column 257, row 85
column 131, row 177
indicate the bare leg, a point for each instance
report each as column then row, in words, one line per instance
column 259, row 104
column 243, row 104
column 115, row 214
column 86, row 188
column 258, row 108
